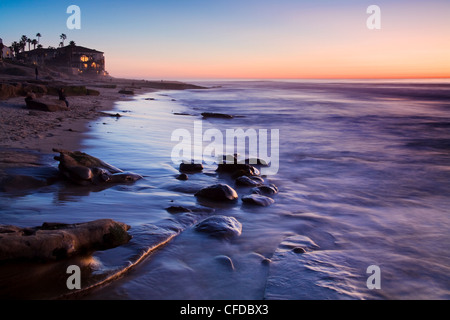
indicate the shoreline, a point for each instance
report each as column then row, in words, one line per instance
column 27, row 136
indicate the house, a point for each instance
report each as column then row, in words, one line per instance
column 73, row 58
column 5, row 52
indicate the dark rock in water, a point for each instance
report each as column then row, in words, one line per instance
column 218, row 192
column 182, row 176
column 238, row 169
column 124, row 91
column 177, row 209
column 53, row 241
column 265, row 190
column 256, row 161
column 50, row 105
column 84, row 169
column 220, row 226
column 191, row 167
column 247, row 181
column 258, row 199
column 216, row 115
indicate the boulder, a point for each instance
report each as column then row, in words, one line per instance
column 218, row 192
column 51, row 105
column 238, row 169
column 220, row 226
column 182, row 176
column 191, row 167
column 245, row 181
column 258, row 199
column 53, row 241
column 266, row 190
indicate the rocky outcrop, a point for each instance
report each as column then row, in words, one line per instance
column 50, row 105
column 84, row 169
column 53, row 241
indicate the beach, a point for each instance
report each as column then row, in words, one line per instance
column 361, row 183
column 27, row 137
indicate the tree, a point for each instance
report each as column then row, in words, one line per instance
column 16, row 46
column 38, row 35
column 23, row 42
column 72, row 43
column 34, row 42
column 40, row 46
column 63, row 37
column 29, row 43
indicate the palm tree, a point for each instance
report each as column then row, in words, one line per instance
column 34, row 42
column 29, row 43
column 38, row 35
column 63, row 37
column 16, row 46
column 40, row 46
column 72, row 43
column 23, row 42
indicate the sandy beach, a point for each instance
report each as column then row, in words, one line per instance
column 27, row 137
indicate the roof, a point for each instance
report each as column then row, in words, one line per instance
column 81, row 49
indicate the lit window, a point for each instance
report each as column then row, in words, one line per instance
column 84, row 58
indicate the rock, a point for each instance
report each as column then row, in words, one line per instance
column 191, row 167
column 258, row 199
column 124, row 91
column 220, row 226
column 238, row 169
column 218, row 192
column 256, row 161
column 216, row 115
column 248, row 182
column 177, row 209
column 37, row 89
column 182, row 177
column 53, row 241
column 51, row 105
column 92, row 92
column 265, row 190
column 85, row 169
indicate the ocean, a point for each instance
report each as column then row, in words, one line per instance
column 363, row 174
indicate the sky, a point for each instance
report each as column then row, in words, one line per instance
column 252, row 39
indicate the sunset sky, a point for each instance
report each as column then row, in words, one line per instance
column 177, row 39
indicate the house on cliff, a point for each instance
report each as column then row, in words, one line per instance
column 72, row 58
